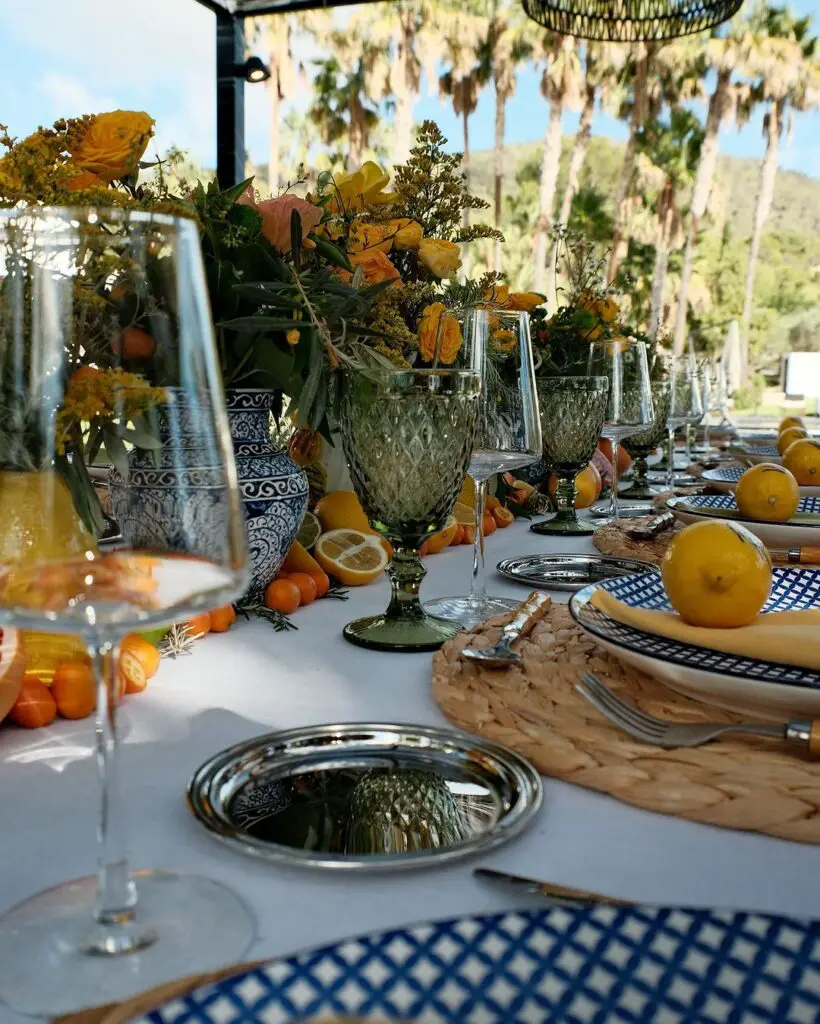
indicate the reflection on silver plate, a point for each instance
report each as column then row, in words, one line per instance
column 626, row 509
column 365, row 797
column 569, row 572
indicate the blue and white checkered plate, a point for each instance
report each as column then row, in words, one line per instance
column 792, row 534
column 766, row 688
column 753, row 452
column 533, row 967
column 725, row 478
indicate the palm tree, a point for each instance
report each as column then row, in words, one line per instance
column 560, row 85
column 278, row 31
column 461, row 82
column 722, row 55
column 786, row 71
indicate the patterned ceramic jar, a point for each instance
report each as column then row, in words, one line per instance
column 274, row 489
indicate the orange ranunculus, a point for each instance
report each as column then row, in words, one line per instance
column 436, row 321
column 84, row 180
column 276, row 215
column 361, row 189
column 376, row 267
column 602, row 306
column 497, row 295
column 112, row 144
column 440, row 257
column 407, row 234
column 525, row 302
column 370, row 236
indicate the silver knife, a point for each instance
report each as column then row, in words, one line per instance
column 550, row 891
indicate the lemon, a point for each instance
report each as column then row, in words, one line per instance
column 351, row 556
column 767, row 492
column 789, row 421
column 464, row 514
column 467, row 494
column 309, row 531
column 802, row 459
column 340, row 509
column 788, row 435
column 717, row 574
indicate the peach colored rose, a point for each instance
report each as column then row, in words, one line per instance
column 525, row 302
column 276, row 214
column 435, row 322
column 441, row 258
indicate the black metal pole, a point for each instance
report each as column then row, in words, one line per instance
column 230, row 99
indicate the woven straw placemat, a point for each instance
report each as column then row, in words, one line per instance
column 740, row 782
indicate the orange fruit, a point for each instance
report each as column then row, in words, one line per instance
column 132, row 675
column 322, row 581
column 339, row 510
column 503, row 517
column 588, row 485
column 768, row 492
column 624, row 458
column 488, row 525
column 458, row 537
column 74, row 690
column 199, row 624
column 463, row 513
column 351, row 556
column 299, row 559
column 283, row 596
column 134, row 343
column 442, row 539
column 143, row 650
column 492, row 503
column 35, row 705
column 789, row 421
column 222, row 619
column 308, row 590
column 789, row 435
column 802, row 459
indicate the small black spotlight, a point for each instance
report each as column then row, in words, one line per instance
column 253, row 70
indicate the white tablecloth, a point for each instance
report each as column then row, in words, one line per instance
column 252, row 680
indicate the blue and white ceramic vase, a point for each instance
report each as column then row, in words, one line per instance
column 173, row 504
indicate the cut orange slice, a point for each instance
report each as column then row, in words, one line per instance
column 350, row 556
column 464, row 514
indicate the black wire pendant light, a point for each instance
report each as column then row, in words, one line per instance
column 630, row 21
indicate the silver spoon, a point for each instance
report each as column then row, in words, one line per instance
column 502, row 655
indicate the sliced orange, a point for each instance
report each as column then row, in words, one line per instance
column 467, row 495
column 464, row 514
column 352, row 557
column 444, row 538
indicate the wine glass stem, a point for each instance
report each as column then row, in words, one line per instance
column 670, row 458
column 565, row 495
column 688, row 448
column 478, row 589
column 406, row 572
column 616, row 477
column 115, row 930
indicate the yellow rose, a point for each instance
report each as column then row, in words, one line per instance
column 504, row 341
column 497, row 295
column 525, row 302
column 607, row 309
column 370, row 236
column 361, row 189
column 441, row 258
column 375, row 266
column 437, row 328
column 112, row 145
column 407, row 234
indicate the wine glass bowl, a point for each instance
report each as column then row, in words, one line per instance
column 104, row 330
column 641, row 446
column 572, row 411
column 407, row 436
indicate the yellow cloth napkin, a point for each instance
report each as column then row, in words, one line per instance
column 792, row 638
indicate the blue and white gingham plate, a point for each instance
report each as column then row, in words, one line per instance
column 754, row 453
column 794, row 533
column 714, row 676
column 533, row 967
column 726, row 477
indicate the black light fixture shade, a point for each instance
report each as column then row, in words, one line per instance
column 630, row 21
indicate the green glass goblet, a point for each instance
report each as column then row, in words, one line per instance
column 572, row 415
column 640, row 446
column 408, row 436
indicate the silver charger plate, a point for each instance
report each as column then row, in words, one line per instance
column 365, row 797
column 569, row 572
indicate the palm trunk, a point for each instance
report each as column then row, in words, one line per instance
column 579, row 152
column 404, row 90
column 498, row 163
column 549, row 179
column 619, row 244
column 765, row 195
column 700, row 199
column 274, row 137
column 465, row 120
column 667, row 206
column 357, row 139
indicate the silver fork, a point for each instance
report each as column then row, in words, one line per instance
column 802, row 734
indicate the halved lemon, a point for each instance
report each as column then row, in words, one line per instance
column 464, row 514
column 309, row 531
column 350, row 556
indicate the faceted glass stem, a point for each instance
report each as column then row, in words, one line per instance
column 670, row 459
column 565, row 496
column 115, row 930
column 614, row 507
column 406, row 571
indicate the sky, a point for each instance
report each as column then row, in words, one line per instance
column 68, row 57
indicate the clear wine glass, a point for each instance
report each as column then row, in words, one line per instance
column 629, row 404
column 696, row 411
column 104, row 332
column 685, row 405
column 508, row 436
